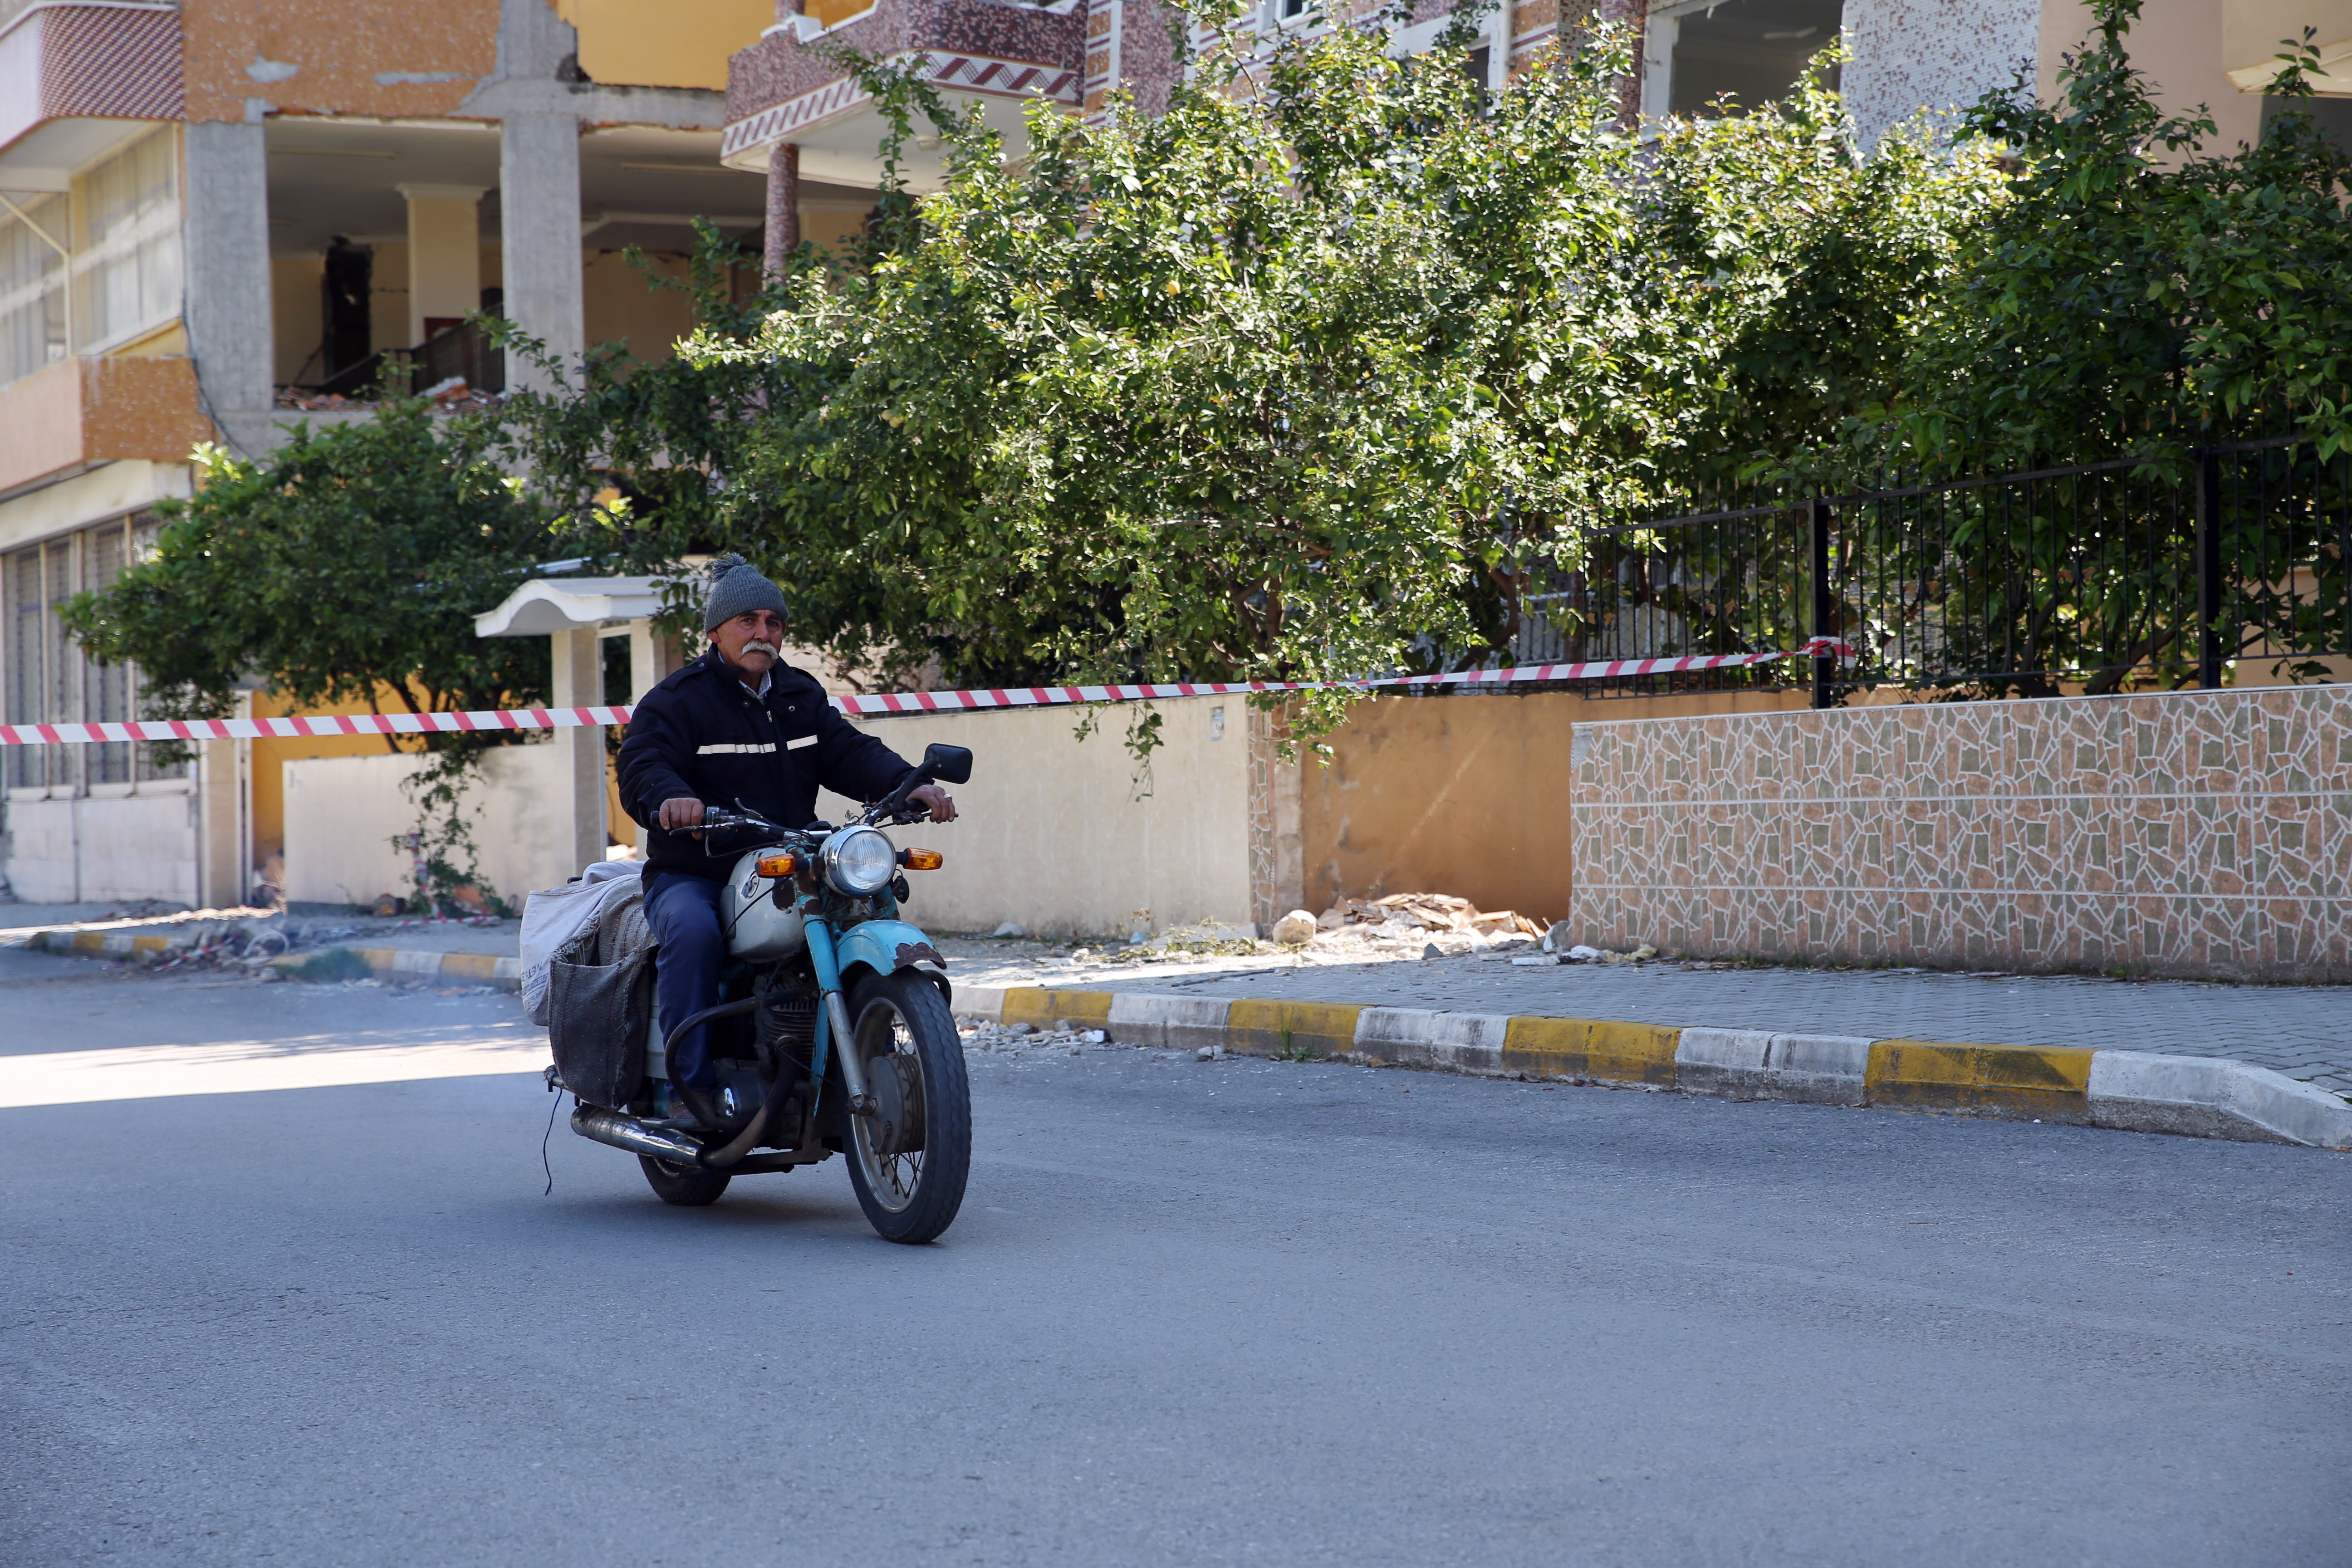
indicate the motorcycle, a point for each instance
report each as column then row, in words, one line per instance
column 832, row 1033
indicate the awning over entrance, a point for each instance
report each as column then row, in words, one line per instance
column 545, row 605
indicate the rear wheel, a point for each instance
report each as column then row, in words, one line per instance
column 909, row 1158
column 688, row 1186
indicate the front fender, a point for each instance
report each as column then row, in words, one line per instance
column 885, row 947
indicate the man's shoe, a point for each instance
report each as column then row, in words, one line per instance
column 700, row 1104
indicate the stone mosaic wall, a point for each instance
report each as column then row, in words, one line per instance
column 2203, row 834
column 1932, row 54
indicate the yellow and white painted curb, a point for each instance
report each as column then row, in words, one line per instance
column 124, row 944
column 382, row 963
column 2130, row 1090
column 419, row 968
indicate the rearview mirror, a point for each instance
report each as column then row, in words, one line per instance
column 949, row 764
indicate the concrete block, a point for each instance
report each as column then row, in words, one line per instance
column 1168, row 1023
column 2046, row 1082
column 985, row 1002
column 1308, row 1030
column 2205, row 1097
column 1821, row 1070
column 1045, row 1006
column 1442, row 1042
column 1603, row 1048
column 1722, row 1061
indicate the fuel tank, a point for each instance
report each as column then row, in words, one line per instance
column 757, row 928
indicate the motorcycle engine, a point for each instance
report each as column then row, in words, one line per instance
column 785, row 1022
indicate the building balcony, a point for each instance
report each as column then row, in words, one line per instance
column 96, row 409
column 81, row 80
column 788, row 88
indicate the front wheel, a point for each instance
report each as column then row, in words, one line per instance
column 688, row 1186
column 909, row 1158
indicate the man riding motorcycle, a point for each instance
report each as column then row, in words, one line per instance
column 735, row 726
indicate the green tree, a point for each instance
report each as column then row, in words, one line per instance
column 345, row 567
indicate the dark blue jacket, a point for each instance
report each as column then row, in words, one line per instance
column 700, row 733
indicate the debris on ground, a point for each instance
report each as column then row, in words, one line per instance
column 1067, row 1037
column 1429, row 913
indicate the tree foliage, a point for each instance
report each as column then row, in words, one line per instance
column 345, row 567
column 2136, row 291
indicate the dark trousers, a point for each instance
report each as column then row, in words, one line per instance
column 683, row 911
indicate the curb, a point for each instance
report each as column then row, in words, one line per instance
column 123, row 943
column 2132, row 1091
column 382, row 963
column 407, row 964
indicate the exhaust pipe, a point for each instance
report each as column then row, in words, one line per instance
column 665, row 1143
column 593, row 1121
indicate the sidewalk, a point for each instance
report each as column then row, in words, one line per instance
column 461, row 952
column 2302, row 1032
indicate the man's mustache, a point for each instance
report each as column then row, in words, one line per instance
column 756, row 646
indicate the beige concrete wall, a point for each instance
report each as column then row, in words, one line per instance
column 620, row 304
column 444, row 255
column 341, row 813
column 1054, row 834
column 2178, row 43
column 1464, row 795
column 681, row 43
column 298, row 317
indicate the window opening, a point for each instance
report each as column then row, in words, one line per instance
column 1753, row 49
column 127, row 250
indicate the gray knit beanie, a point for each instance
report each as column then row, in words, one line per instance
column 737, row 586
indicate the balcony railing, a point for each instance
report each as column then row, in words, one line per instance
column 463, row 353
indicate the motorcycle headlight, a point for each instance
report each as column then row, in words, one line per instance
column 858, row 861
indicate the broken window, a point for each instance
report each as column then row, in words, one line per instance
column 1753, row 50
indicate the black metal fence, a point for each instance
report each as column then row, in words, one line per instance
column 464, row 353
column 2122, row 576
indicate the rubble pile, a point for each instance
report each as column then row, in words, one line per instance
column 247, row 946
column 451, row 396
column 1406, row 917
column 1065, row 1037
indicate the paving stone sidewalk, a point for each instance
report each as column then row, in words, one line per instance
column 2303, row 1032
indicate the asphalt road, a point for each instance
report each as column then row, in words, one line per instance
column 1194, row 1313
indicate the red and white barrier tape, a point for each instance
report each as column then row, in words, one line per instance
column 888, row 702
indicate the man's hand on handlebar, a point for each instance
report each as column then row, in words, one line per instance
column 938, row 802
column 680, row 814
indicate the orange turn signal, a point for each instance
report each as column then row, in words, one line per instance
column 921, row 859
column 778, row 865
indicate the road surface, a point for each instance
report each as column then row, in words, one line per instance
column 1193, row 1313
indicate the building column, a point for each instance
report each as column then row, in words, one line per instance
column 783, row 205
column 539, row 198
column 226, row 278
column 653, row 658
column 1636, row 16
column 580, row 683
column 445, row 254
column 224, row 868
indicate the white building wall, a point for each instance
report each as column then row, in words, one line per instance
column 69, row 851
column 342, row 813
column 1939, row 55
column 1054, row 832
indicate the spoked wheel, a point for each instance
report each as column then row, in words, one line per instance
column 909, row 1158
column 688, row 1186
